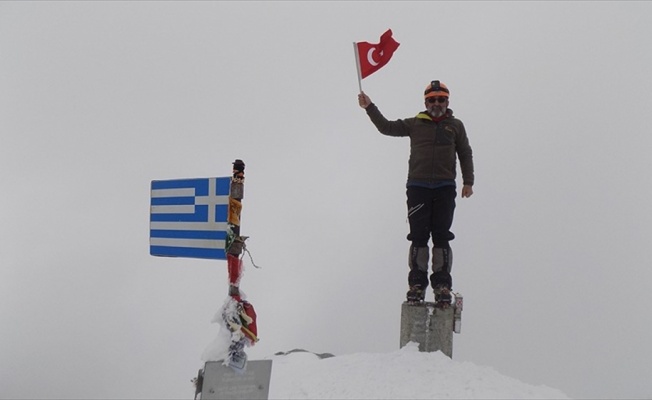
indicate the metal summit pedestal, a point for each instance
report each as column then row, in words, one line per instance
column 431, row 327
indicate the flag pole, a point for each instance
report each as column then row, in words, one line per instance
column 357, row 64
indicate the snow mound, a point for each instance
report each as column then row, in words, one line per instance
column 403, row 374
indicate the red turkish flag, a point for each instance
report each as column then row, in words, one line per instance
column 373, row 57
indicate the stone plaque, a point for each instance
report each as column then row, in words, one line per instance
column 222, row 382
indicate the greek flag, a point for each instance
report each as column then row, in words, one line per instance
column 188, row 218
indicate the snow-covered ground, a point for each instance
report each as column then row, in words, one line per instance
column 401, row 374
column 406, row 373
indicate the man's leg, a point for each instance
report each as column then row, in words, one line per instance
column 443, row 205
column 419, row 209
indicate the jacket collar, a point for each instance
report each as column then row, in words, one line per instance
column 426, row 116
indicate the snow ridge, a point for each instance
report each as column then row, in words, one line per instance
column 402, row 374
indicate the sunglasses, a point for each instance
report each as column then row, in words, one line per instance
column 433, row 100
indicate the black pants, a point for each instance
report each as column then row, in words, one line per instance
column 430, row 213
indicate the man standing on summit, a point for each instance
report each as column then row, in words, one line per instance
column 436, row 139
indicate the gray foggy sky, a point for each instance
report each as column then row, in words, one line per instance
column 99, row 98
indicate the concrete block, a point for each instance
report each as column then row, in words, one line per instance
column 431, row 327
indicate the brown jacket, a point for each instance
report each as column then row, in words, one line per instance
column 433, row 145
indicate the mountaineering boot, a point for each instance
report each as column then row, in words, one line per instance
column 443, row 297
column 416, row 294
column 418, row 275
column 442, row 263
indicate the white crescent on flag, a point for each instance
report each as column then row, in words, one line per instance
column 370, row 57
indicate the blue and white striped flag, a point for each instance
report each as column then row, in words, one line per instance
column 189, row 217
